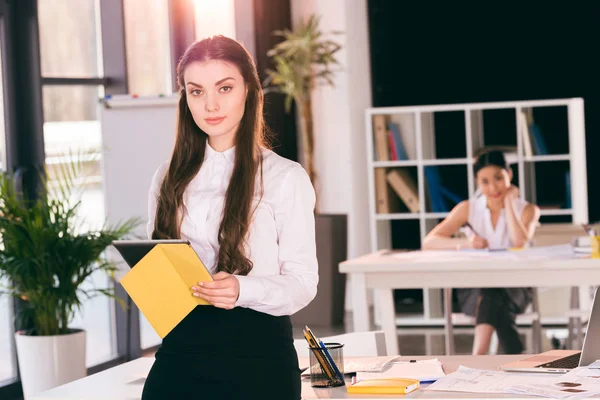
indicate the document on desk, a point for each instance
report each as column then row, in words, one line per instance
column 529, row 254
column 578, row 383
column 422, row 370
column 484, row 381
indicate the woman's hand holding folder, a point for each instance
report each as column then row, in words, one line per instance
column 222, row 292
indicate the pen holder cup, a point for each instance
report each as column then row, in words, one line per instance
column 327, row 365
column 595, row 245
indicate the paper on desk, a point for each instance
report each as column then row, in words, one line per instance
column 595, row 364
column 423, row 370
column 484, row 381
column 356, row 364
column 529, row 254
column 576, row 384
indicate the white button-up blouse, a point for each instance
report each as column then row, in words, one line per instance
column 281, row 238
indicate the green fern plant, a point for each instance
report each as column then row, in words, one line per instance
column 46, row 256
column 303, row 60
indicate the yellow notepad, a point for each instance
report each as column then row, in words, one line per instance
column 160, row 285
column 384, row 386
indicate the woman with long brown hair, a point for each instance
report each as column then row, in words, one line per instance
column 248, row 213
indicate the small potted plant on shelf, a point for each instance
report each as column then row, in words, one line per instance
column 303, row 60
column 45, row 258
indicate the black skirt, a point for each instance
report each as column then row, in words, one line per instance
column 515, row 300
column 226, row 354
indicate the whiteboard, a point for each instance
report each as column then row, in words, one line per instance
column 138, row 134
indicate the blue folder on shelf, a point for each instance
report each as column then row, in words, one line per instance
column 437, row 192
column 539, row 143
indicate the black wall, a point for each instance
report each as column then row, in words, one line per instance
column 269, row 16
column 432, row 54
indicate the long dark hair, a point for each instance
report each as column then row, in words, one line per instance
column 188, row 155
column 487, row 158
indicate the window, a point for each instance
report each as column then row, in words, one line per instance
column 147, row 46
column 214, row 17
column 69, row 38
column 8, row 367
column 72, row 128
column 70, row 50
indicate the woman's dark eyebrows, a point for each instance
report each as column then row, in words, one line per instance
column 216, row 84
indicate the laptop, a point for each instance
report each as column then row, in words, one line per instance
column 133, row 251
column 562, row 361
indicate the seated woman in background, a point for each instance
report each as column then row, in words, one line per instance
column 497, row 219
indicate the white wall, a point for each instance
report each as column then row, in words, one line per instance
column 339, row 111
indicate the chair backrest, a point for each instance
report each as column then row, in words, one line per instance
column 356, row 344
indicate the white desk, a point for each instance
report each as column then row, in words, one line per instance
column 126, row 381
column 536, row 267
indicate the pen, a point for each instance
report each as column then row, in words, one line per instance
column 589, row 230
column 468, row 225
column 337, row 371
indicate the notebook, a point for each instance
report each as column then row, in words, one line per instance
column 160, row 280
column 384, row 386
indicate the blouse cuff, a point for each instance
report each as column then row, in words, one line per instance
column 252, row 291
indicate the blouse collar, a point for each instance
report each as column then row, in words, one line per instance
column 228, row 154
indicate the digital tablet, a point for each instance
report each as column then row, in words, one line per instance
column 133, row 251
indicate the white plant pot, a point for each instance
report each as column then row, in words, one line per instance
column 49, row 361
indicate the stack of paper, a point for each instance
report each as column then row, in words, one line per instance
column 579, row 383
column 484, row 381
column 421, row 370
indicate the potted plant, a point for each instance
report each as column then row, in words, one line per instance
column 45, row 257
column 303, row 60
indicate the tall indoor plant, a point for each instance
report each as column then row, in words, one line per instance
column 45, row 257
column 303, row 60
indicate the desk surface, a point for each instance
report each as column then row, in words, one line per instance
column 125, row 381
column 549, row 266
column 539, row 258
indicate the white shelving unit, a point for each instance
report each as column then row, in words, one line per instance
column 418, row 135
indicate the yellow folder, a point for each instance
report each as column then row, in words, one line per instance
column 160, row 284
column 384, row 386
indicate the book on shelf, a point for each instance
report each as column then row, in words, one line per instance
column 385, row 200
column 568, row 203
column 534, row 142
column 392, row 143
column 405, row 187
column 388, row 140
column 382, row 204
column 539, row 143
column 526, row 137
column 399, row 149
column 381, row 137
